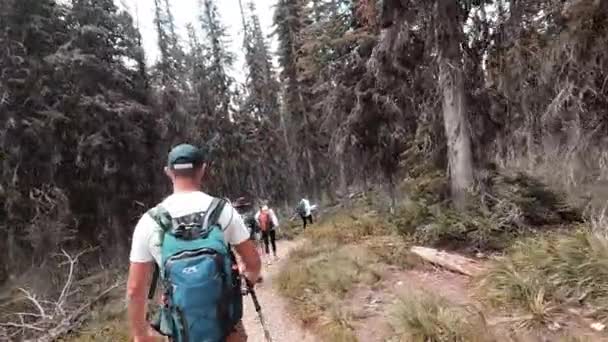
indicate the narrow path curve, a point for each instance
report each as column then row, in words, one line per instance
column 282, row 326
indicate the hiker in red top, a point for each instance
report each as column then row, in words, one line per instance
column 268, row 222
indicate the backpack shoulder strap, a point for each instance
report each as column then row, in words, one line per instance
column 161, row 216
column 163, row 219
column 215, row 211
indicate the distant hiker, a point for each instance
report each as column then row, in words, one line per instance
column 304, row 210
column 268, row 222
column 189, row 237
column 245, row 209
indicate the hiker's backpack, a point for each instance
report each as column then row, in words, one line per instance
column 264, row 219
column 201, row 284
column 251, row 224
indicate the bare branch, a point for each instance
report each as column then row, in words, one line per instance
column 22, row 326
column 62, row 318
column 66, row 288
column 33, row 300
column 68, row 323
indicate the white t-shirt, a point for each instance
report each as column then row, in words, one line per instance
column 306, row 204
column 145, row 245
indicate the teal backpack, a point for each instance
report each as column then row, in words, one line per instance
column 201, row 283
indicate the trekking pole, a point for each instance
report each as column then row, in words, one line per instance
column 258, row 309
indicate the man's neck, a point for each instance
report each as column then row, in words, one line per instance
column 181, row 187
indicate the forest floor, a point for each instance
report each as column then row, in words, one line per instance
column 350, row 279
column 352, row 276
column 280, row 322
column 354, row 309
column 111, row 327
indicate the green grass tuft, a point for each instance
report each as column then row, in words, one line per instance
column 541, row 276
column 318, row 277
column 422, row 317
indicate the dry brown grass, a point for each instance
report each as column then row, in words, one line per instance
column 114, row 330
column 106, row 323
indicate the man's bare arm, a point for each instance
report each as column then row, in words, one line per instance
column 137, row 286
column 250, row 257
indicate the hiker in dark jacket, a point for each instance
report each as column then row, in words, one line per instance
column 245, row 209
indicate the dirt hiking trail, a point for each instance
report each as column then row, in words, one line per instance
column 282, row 326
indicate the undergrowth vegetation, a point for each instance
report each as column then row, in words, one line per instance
column 423, row 317
column 115, row 330
column 504, row 207
column 345, row 250
column 289, row 229
column 317, row 280
column 551, row 260
column 545, row 276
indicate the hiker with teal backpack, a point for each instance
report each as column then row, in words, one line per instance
column 188, row 239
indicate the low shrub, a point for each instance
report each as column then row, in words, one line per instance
column 504, row 207
column 345, row 228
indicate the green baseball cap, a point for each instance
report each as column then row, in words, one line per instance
column 185, row 156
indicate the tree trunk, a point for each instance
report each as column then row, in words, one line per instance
column 312, row 174
column 343, row 182
column 451, row 83
column 532, row 134
column 391, row 193
column 293, row 175
column 11, row 243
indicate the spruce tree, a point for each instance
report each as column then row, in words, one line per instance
column 262, row 87
column 220, row 59
column 171, row 64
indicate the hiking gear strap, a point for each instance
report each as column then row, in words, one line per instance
column 154, row 282
column 163, row 219
column 215, row 210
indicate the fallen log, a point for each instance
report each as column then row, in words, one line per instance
column 453, row 262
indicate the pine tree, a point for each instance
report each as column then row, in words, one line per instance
column 290, row 20
column 197, row 63
column 220, row 59
column 114, row 129
column 30, row 30
column 81, row 113
column 170, row 67
column 164, row 64
column 288, row 23
column 132, row 48
column 262, row 86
